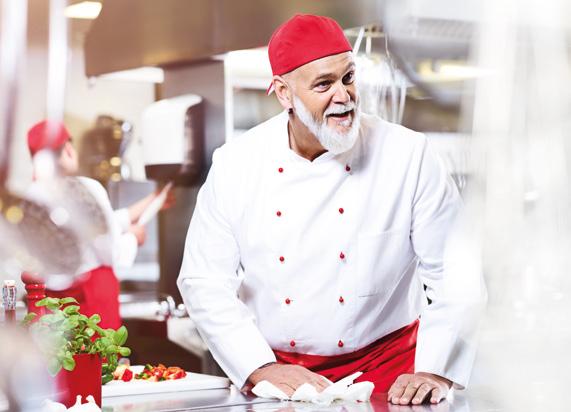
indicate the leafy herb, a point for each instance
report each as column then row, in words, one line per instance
column 66, row 332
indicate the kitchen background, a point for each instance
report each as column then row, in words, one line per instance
column 488, row 81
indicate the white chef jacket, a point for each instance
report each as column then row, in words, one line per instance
column 115, row 248
column 327, row 256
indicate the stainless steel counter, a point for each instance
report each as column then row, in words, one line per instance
column 231, row 400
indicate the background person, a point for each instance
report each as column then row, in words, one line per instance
column 97, row 287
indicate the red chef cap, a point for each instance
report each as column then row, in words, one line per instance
column 303, row 39
column 47, row 134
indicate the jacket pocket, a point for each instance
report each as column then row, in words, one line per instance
column 382, row 259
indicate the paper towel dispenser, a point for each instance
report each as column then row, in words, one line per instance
column 173, row 139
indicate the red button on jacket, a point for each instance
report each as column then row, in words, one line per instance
column 292, row 343
column 340, row 343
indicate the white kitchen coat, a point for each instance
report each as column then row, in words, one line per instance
column 115, row 248
column 327, row 256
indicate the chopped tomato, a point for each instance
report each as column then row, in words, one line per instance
column 127, row 375
column 174, row 372
column 119, row 371
column 177, row 375
column 160, row 373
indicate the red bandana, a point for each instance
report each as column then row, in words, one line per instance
column 303, row 39
column 47, row 134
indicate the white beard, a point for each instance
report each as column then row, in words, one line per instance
column 331, row 139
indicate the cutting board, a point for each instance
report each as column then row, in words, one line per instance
column 191, row 382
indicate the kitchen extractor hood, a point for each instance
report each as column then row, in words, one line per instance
column 135, row 33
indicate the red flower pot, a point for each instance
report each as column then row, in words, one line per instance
column 84, row 380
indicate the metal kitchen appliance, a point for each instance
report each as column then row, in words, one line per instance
column 174, row 150
column 173, row 141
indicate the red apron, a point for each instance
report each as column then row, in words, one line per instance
column 381, row 362
column 97, row 291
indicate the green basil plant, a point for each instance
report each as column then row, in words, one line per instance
column 65, row 332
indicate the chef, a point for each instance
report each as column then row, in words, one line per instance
column 96, row 288
column 318, row 240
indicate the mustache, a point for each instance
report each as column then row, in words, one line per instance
column 340, row 108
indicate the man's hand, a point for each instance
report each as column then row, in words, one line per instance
column 417, row 388
column 288, row 377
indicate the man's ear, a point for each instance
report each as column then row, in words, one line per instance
column 283, row 92
column 67, row 147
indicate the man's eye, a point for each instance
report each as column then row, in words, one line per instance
column 322, row 85
column 349, row 78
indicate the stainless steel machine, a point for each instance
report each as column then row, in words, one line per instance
column 173, row 150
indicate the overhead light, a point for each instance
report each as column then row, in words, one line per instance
column 461, row 71
column 83, row 10
column 449, row 71
column 142, row 74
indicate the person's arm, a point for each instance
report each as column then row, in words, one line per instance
column 136, row 209
column 129, row 216
column 446, row 343
column 134, row 212
column 208, row 282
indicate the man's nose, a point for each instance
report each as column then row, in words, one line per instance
column 341, row 94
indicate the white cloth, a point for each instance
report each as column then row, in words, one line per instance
column 343, row 390
column 89, row 406
column 387, row 206
column 117, row 247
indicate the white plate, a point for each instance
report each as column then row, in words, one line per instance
column 191, row 382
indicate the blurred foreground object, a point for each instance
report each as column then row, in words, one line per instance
column 35, row 236
column 24, row 381
column 31, row 239
column 519, row 205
